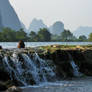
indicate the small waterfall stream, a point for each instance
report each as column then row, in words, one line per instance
column 44, row 68
column 31, row 67
column 75, row 67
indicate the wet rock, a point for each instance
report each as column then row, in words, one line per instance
column 3, row 87
column 83, row 59
column 14, row 89
column 78, row 57
column 61, row 60
column 60, row 57
column 4, row 76
column 86, row 67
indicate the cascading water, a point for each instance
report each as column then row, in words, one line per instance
column 14, row 69
column 75, row 67
column 31, row 67
column 27, row 70
column 45, row 68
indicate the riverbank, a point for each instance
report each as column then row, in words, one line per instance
column 54, row 61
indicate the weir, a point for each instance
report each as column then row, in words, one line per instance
column 25, row 68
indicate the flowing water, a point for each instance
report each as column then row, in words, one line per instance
column 76, row 85
column 26, row 69
column 75, row 67
column 30, row 68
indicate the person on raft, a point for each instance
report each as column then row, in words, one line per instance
column 21, row 44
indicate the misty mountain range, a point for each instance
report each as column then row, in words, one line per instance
column 54, row 29
column 9, row 18
column 57, row 28
column 35, row 25
column 83, row 31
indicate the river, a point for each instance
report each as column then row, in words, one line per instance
column 74, row 85
column 35, row 44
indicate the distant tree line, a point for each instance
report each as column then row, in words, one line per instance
column 9, row 35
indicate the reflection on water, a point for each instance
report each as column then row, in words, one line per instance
column 34, row 44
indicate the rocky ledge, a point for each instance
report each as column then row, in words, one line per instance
column 60, row 56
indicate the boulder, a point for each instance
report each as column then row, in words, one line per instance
column 14, row 89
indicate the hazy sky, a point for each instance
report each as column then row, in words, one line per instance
column 73, row 13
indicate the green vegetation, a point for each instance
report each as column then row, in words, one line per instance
column 9, row 35
column 90, row 37
column 67, row 36
column 41, row 36
column 44, row 35
column 82, row 38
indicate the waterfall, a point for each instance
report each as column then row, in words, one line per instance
column 27, row 70
column 12, row 69
column 45, row 68
column 31, row 67
column 75, row 67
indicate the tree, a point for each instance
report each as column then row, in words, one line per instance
column 8, row 35
column 33, row 36
column 1, row 37
column 55, row 38
column 66, row 35
column 44, row 35
column 82, row 38
column 21, row 35
column 90, row 37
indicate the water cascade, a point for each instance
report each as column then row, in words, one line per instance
column 44, row 69
column 29, row 69
column 76, row 72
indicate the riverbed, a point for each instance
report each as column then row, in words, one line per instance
column 74, row 85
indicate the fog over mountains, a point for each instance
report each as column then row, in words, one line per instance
column 8, row 16
column 83, row 31
column 35, row 25
column 55, row 29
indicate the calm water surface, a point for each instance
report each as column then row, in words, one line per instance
column 35, row 44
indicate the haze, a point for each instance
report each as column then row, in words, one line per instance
column 73, row 13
